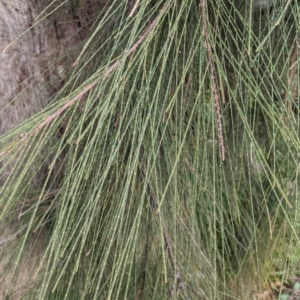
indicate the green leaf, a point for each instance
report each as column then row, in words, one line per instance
column 297, row 286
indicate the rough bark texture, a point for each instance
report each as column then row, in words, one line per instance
column 27, row 65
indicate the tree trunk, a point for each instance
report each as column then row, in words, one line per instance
column 27, row 63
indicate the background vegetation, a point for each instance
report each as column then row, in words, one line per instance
column 166, row 167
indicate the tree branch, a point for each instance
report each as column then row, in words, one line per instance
column 107, row 73
column 213, row 78
column 95, row 82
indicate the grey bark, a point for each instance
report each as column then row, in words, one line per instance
column 27, row 65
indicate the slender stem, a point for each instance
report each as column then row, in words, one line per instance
column 213, row 78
